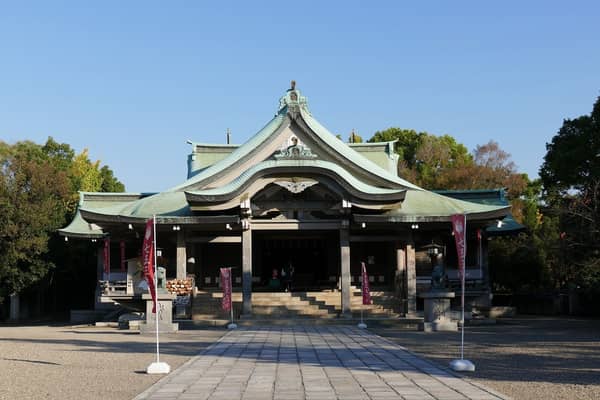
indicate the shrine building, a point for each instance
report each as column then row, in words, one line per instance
column 293, row 198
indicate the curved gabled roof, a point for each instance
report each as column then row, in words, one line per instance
column 331, row 157
column 355, row 186
column 352, row 158
column 238, row 154
column 352, row 155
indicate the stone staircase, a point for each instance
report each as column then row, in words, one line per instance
column 281, row 305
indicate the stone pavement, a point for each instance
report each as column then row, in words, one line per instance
column 309, row 363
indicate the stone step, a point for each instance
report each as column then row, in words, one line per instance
column 326, row 304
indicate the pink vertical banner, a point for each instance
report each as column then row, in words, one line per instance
column 122, row 247
column 459, row 227
column 226, row 285
column 106, row 256
column 366, row 291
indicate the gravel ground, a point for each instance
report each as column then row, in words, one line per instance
column 525, row 358
column 63, row 362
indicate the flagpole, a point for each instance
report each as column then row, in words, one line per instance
column 156, row 289
column 462, row 364
column 462, row 316
column 156, row 367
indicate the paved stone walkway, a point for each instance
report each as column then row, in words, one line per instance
column 311, row 363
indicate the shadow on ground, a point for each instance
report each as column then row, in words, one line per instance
column 557, row 350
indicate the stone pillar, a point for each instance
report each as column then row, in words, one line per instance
column 247, row 272
column 411, row 280
column 164, row 312
column 181, row 256
column 437, row 312
column 345, row 270
column 399, row 274
column 14, row 307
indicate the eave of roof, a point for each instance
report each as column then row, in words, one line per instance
column 424, row 206
column 354, row 186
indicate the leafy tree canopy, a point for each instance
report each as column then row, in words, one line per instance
column 440, row 162
column 571, row 181
column 38, row 194
column 572, row 159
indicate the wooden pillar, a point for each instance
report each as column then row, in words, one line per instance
column 411, row 280
column 399, row 274
column 485, row 266
column 247, row 272
column 345, row 270
column 99, row 263
column 181, row 256
column 193, row 253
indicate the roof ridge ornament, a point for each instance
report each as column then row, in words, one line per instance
column 295, row 151
column 292, row 102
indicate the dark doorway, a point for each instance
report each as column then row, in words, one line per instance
column 300, row 260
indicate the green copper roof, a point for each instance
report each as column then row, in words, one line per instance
column 297, row 165
column 81, row 229
column 493, row 197
column 381, row 153
column 331, row 157
column 238, row 154
column 353, row 156
column 107, row 203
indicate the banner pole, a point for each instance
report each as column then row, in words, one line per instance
column 462, row 317
column 459, row 227
column 156, row 367
column 156, row 291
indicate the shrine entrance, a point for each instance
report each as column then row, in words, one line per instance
column 295, row 260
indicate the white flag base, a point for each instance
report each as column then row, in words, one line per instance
column 158, row 368
column 362, row 325
column 232, row 326
column 462, row 365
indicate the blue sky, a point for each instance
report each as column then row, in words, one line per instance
column 132, row 81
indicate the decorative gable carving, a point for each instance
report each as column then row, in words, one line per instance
column 296, row 151
column 296, row 187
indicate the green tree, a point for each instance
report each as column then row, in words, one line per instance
column 32, row 200
column 354, row 137
column 407, row 142
column 571, row 180
column 440, row 162
column 109, row 182
column 572, row 159
column 38, row 195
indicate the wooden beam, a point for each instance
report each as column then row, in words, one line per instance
column 215, row 239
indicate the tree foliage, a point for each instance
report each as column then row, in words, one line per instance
column 572, row 159
column 32, row 200
column 38, row 195
column 571, row 181
column 354, row 137
column 440, row 162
